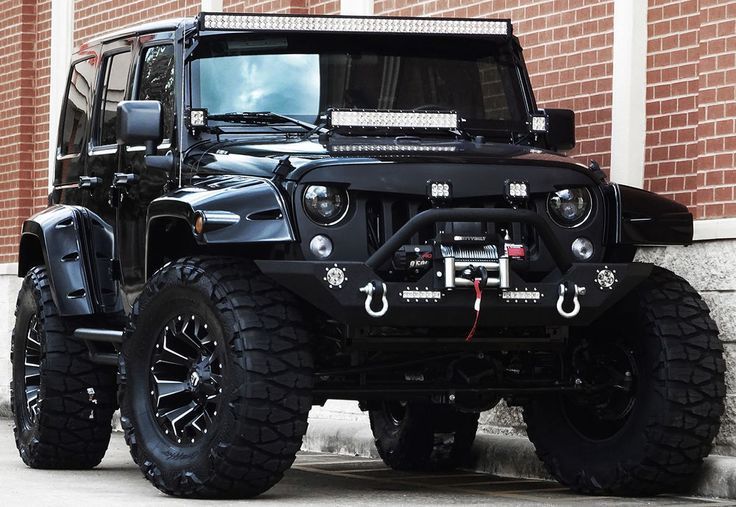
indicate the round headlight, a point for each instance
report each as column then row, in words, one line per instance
column 325, row 205
column 569, row 207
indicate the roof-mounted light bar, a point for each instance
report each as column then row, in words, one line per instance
column 370, row 119
column 271, row 22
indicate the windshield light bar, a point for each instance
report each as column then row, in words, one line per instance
column 355, row 24
column 391, row 119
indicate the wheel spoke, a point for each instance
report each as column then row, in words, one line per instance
column 169, row 355
column 169, row 387
column 32, row 371
column 176, row 416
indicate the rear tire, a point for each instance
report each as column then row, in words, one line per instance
column 422, row 436
column 654, row 441
column 217, row 337
column 62, row 402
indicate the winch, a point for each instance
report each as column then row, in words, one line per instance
column 458, row 259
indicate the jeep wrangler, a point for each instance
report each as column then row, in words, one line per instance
column 252, row 214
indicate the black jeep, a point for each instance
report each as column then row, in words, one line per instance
column 252, row 214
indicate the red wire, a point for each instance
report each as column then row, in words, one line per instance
column 476, row 305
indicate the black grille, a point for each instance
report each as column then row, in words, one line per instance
column 386, row 215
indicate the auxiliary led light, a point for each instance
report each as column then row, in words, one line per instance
column 517, row 191
column 198, row 118
column 391, row 119
column 355, row 24
column 539, row 123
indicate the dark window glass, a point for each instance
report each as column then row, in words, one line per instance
column 113, row 91
column 157, row 82
column 76, row 110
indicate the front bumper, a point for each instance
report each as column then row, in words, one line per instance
column 339, row 288
column 524, row 304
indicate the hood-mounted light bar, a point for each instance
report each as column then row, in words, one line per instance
column 358, row 24
column 347, row 119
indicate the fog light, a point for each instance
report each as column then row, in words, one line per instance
column 320, row 246
column 582, row 248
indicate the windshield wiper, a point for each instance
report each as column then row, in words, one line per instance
column 261, row 118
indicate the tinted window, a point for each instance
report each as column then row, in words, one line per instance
column 114, row 80
column 76, row 110
column 304, row 75
column 157, row 82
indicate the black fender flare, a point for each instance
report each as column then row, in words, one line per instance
column 639, row 217
column 238, row 210
column 76, row 246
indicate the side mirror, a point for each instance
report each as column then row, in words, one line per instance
column 140, row 122
column 560, row 134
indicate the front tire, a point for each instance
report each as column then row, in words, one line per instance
column 62, row 402
column 218, row 378
column 422, row 436
column 649, row 433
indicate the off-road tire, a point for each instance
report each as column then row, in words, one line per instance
column 677, row 406
column 424, row 436
column 77, row 397
column 267, row 380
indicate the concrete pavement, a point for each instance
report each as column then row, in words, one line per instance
column 315, row 479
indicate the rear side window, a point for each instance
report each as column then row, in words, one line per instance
column 157, row 82
column 114, row 81
column 76, row 107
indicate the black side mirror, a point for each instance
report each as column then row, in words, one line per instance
column 560, row 134
column 140, row 122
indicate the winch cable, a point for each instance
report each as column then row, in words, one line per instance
column 479, row 284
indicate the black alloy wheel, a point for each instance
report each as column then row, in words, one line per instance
column 186, row 378
column 32, row 372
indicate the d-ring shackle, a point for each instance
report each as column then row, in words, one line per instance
column 369, row 289
column 578, row 291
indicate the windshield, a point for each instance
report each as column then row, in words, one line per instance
column 302, row 76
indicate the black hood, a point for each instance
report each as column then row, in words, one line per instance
column 262, row 156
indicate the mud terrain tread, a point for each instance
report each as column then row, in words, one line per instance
column 71, row 433
column 690, row 373
column 272, row 407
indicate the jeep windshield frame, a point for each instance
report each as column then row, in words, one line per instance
column 303, row 74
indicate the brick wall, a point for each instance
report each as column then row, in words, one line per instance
column 717, row 110
column 691, row 112
column 24, row 95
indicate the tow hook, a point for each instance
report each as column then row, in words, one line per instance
column 370, row 289
column 577, row 291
